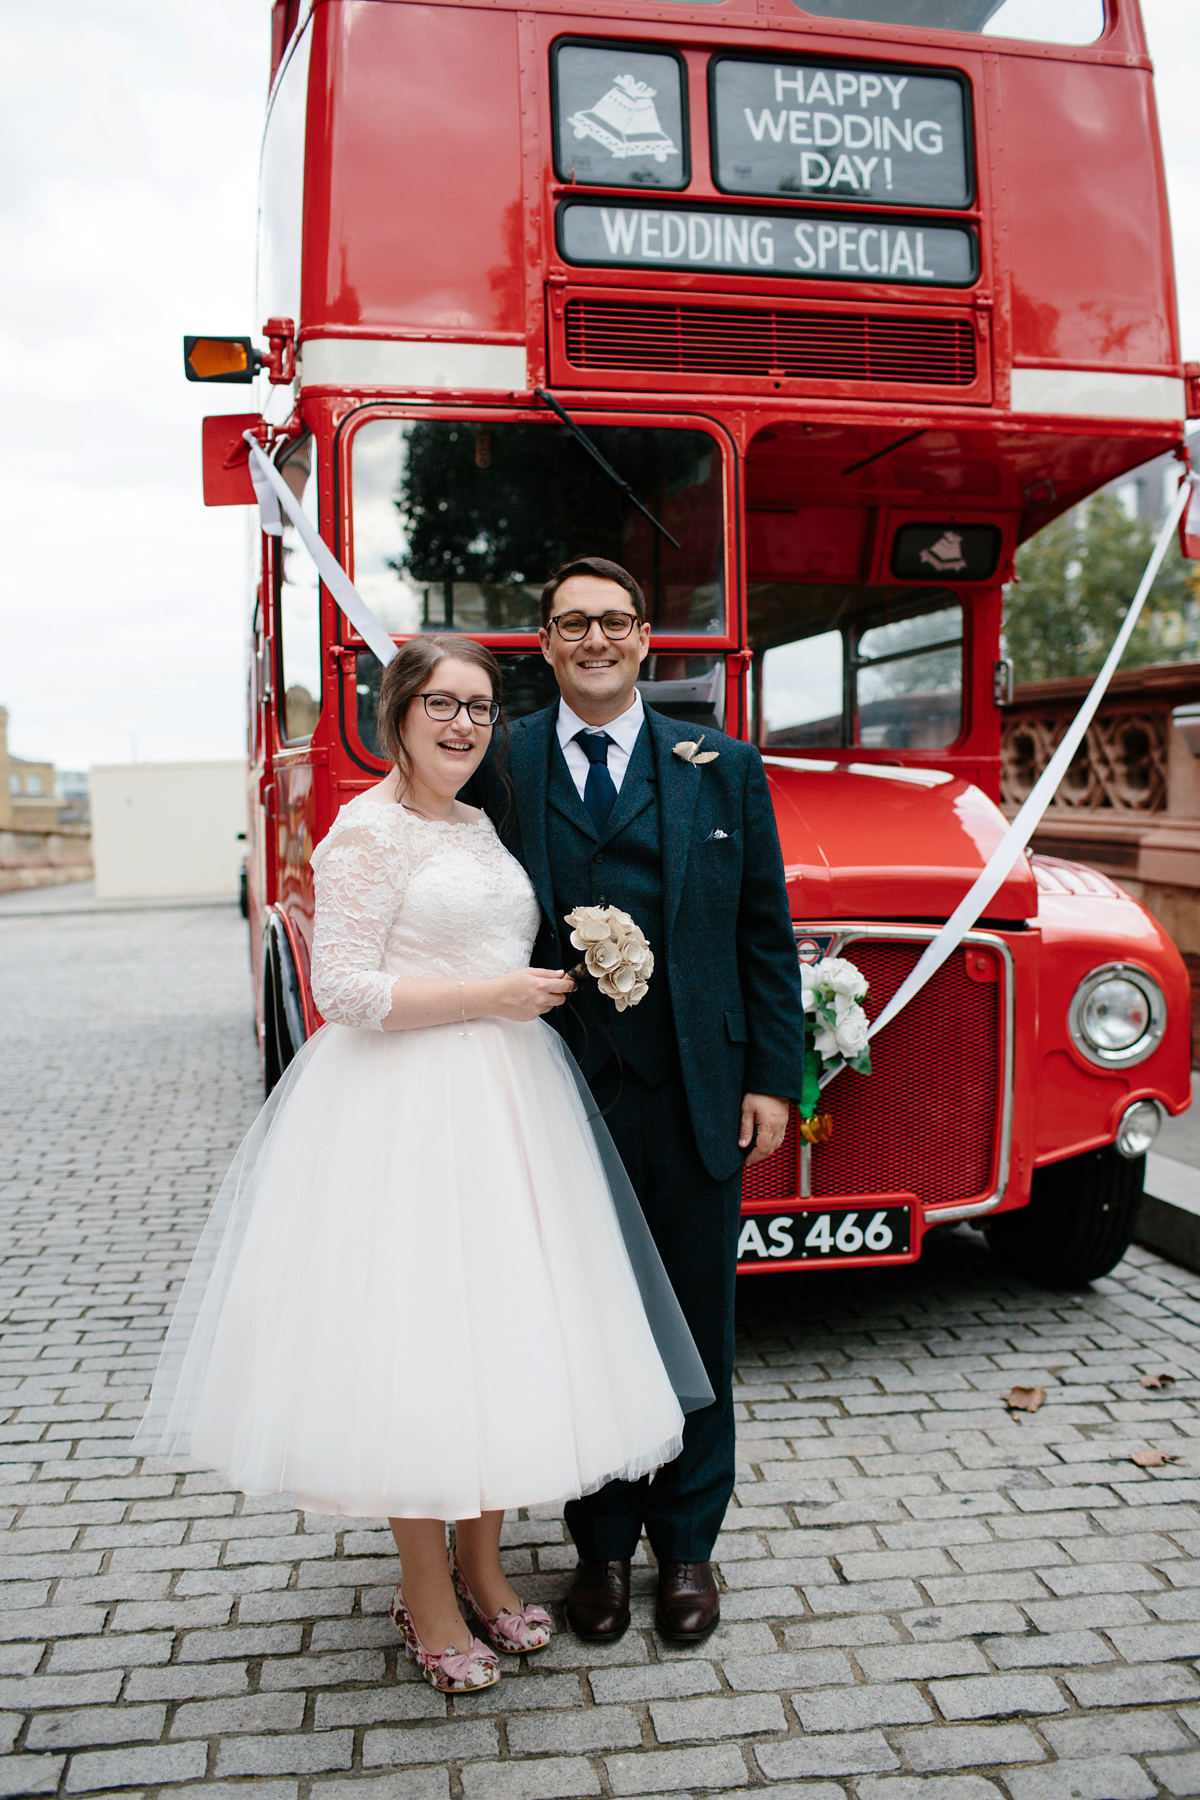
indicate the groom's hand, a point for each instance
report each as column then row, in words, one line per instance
column 764, row 1121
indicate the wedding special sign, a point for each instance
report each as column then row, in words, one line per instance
column 824, row 248
column 893, row 137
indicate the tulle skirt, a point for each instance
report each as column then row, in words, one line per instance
column 423, row 1291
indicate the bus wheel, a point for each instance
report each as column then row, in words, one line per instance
column 1079, row 1222
column 283, row 1014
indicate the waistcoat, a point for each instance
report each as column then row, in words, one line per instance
column 618, row 866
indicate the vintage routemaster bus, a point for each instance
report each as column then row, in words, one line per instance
column 853, row 296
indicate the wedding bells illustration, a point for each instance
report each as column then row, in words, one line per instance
column 625, row 122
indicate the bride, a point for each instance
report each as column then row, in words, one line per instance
column 416, row 1294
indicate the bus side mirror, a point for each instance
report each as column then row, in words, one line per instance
column 1189, row 524
column 226, row 459
column 221, row 359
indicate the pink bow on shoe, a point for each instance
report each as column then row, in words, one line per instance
column 454, row 1671
column 530, row 1629
column 458, row 1664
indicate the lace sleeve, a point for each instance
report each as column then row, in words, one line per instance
column 361, row 871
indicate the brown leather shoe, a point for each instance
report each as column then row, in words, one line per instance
column 598, row 1601
column 689, row 1605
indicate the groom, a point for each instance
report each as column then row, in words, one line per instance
column 608, row 813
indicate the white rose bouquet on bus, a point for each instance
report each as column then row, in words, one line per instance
column 835, row 1035
column 615, row 953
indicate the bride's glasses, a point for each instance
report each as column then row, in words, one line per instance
column 445, row 707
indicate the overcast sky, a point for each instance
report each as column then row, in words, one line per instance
column 129, row 135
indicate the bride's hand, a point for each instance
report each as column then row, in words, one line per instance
column 528, row 993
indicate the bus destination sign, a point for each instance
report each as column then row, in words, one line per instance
column 821, row 248
column 893, row 138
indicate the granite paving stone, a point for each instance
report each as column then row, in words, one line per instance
column 30, row 1774
column 851, row 1708
column 1179, row 1775
column 922, row 1598
column 997, row 1696
column 968, row 1746
column 820, row 1753
column 1090, row 1778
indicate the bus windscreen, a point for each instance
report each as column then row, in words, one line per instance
column 459, row 523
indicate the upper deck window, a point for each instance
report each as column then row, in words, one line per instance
column 1031, row 21
column 620, row 115
column 459, row 523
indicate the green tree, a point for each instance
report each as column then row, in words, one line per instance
column 1076, row 579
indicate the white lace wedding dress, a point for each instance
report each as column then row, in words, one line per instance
column 414, row 1298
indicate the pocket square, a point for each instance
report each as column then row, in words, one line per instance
column 714, row 835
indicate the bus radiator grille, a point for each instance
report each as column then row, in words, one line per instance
column 927, row 1120
column 756, row 341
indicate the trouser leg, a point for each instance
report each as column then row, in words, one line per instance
column 694, row 1222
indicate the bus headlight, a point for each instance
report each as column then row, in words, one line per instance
column 1117, row 1016
column 1138, row 1128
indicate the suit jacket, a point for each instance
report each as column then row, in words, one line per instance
column 728, row 954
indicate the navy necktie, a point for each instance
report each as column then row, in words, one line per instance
column 599, row 790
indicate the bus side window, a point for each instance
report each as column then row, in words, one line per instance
column 297, row 613
column 802, row 691
column 908, row 677
column 880, row 667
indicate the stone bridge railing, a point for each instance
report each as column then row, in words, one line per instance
column 30, row 859
column 1130, row 803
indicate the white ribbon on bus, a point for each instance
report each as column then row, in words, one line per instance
column 273, row 492
column 1013, row 844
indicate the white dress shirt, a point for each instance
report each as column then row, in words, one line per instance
column 623, row 731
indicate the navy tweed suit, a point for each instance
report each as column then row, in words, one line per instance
column 693, row 855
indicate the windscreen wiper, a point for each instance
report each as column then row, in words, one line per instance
column 592, row 451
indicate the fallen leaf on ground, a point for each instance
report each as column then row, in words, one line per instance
column 1019, row 1399
column 1157, row 1381
column 1152, row 1459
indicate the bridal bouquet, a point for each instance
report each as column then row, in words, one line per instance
column 615, row 951
column 835, row 1035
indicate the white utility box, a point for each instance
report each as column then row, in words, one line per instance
column 168, row 830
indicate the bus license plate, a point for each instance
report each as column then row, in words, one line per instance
column 813, row 1236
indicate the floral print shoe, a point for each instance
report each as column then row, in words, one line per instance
column 454, row 1671
column 514, row 1633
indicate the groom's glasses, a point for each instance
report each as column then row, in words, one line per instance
column 445, row 707
column 575, row 625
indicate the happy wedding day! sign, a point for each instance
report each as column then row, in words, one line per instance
column 891, row 138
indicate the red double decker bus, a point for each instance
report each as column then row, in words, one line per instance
column 851, row 295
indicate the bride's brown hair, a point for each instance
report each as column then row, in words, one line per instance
column 403, row 680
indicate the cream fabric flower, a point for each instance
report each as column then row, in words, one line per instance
column 692, row 753
column 602, row 956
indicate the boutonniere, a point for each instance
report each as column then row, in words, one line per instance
column 692, row 753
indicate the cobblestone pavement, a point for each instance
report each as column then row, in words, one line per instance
column 925, row 1599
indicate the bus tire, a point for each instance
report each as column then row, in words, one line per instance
column 1079, row 1222
column 283, row 1012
